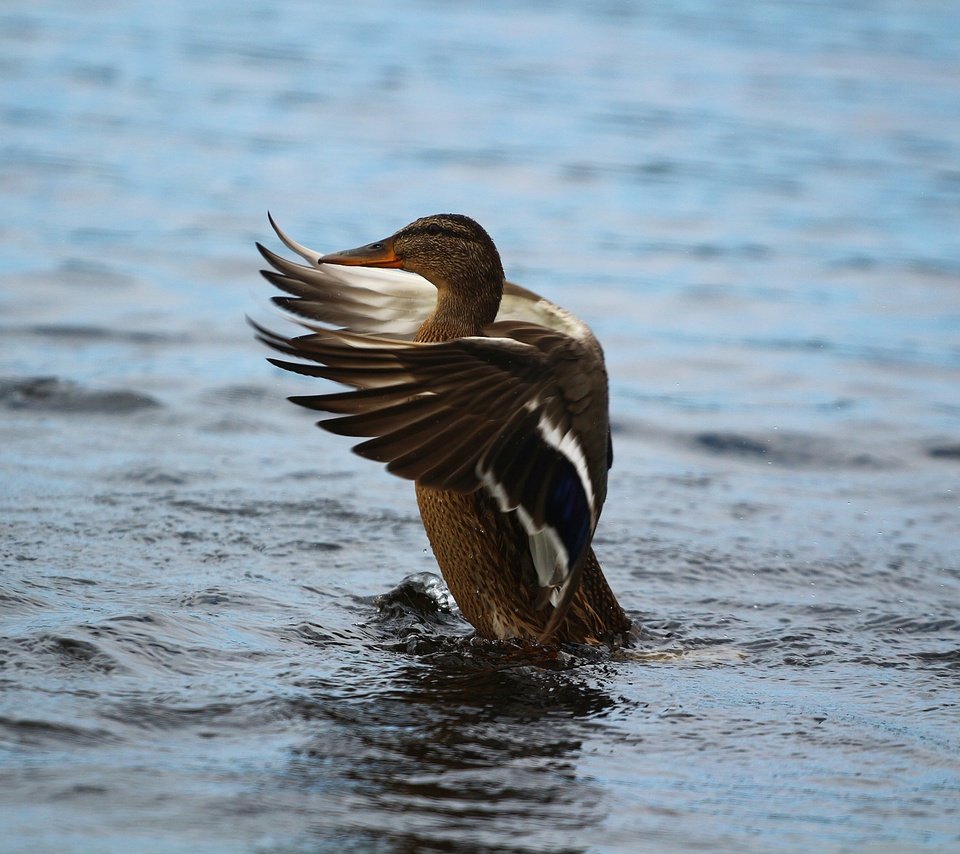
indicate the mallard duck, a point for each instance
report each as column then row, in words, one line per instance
column 492, row 399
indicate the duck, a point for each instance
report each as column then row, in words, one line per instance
column 492, row 399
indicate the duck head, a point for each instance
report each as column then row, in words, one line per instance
column 451, row 251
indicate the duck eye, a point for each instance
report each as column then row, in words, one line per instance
column 433, row 229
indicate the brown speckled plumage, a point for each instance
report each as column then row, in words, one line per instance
column 493, row 580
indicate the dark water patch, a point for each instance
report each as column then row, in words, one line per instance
column 299, row 99
column 709, row 251
column 298, row 546
column 936, row 268
column 52, row 394
column 95, row 74
column 205, row 49
column 142, row 641
column 915, row 664
column 944, row 452
column 470, row 742
column 805, row 345
column 842, row 404
column 473, row 157
column 690, row 480
column 154, row 476
column 236, row 595
column 15, row 600
column 243, row 394
column 449, row 842
column 103, row 234
column 148, row 619
column 72, row 653
column 683, row 402
column 239, row 426
column 244, row 510
column 476, row 692
column 903, row 625
column 947, row 660
column 83, row 273
column 70, row 581
column 29, row 117
column 314, row 475
column 906, row 352
column 319, row 636
column 51, row 163
column 99, row 334
column 795, row 648
column 158, row 714
column 256, row 532
column 314, row 546
column 210, row 598
column 248, row 508
column 732, row 443
column 790, row 450
column 656, row 170
column 80, row 790
column 232, row 713
column 708, row 572
column 27, row 732
column 855, row 261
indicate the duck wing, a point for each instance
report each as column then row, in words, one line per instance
column 465, row 413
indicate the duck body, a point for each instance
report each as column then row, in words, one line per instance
column 481, row 553
column 492, row 399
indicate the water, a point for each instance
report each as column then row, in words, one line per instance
column 756, row 208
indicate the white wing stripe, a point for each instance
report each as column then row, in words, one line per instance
column 569, row 445
column 550, row 558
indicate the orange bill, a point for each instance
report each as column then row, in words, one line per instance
column 379, row 254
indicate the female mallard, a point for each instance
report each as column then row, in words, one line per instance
column 491, row 398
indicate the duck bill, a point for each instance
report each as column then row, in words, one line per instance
column 379, row 254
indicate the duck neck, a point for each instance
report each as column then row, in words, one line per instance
column 463, row 309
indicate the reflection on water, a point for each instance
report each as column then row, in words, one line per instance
column 755, row 207
column 462, row 733
column 479, row 746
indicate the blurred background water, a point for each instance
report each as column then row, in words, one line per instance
column 756, row 207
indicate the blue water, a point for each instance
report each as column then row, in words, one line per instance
column 756, row 206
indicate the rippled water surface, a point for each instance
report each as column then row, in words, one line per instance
column 756, row 206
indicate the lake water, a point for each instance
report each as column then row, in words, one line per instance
column 757, row 208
